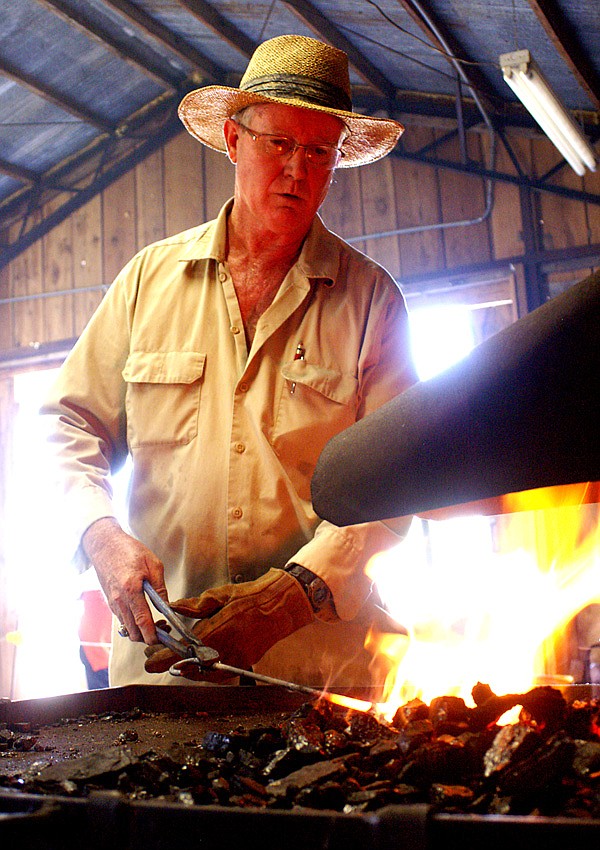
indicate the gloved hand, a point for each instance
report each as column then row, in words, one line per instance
column 245, row 620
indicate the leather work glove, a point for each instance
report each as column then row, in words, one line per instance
column 244, row 621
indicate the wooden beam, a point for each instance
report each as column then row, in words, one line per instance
column 477, row 170
column 31, row 178
column 569, row 46
column 17, row 172
column 208, row 15
column 323, row 27
column 442, row 40
column 549, row 260
column 45, row 354
column 167, row 38
column 53, row 96
column 76, row 16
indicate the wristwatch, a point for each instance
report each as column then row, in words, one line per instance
column 316, row 590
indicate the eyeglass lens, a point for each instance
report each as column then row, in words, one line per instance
column 325, row 156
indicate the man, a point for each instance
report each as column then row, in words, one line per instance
column 222, row 359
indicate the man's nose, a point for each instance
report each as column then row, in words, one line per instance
column 297, row 162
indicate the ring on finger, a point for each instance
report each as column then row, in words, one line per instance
column 123, row 631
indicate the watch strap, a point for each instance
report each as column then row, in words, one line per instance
column 316, row 590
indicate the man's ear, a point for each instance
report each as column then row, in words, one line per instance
column 231, row 132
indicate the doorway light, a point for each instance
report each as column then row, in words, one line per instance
column 527, row 81
column 440, row 336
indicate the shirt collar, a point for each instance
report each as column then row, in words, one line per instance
column 212, row 239
column 320, row 255
column 318, row 260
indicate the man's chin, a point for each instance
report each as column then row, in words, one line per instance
column 291, row 217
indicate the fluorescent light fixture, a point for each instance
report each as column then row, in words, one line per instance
column 527, row 81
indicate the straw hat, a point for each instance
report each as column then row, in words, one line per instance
column 297, row 71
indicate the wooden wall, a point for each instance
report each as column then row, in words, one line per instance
column 185, row 183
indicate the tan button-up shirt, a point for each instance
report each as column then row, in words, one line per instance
column 224, row 440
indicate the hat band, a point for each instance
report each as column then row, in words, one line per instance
column 302, row 88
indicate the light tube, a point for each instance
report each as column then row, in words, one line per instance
column 527, row 81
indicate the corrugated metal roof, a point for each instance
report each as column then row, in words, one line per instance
column 85, row 84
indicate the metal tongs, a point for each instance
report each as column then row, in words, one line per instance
column 194, row 653
column 193, row 650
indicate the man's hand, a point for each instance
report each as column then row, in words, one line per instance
column 245, row 620
column 122, row 564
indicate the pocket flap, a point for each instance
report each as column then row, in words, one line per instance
column 328, row 382
column 164, row 367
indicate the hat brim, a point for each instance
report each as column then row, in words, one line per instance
column 204, row 111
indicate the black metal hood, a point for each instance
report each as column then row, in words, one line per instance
column 520, row 412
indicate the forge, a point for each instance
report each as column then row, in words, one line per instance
column 151, row 767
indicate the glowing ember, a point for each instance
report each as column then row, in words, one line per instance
column 348, row 702
column 491, row 601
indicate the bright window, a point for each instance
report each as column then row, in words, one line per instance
column 42, row 585
column 441, row 336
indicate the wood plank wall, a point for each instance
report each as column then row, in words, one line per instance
column 184, row 183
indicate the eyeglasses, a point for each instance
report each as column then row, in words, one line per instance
column 320, row 155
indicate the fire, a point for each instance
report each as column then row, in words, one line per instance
column 493, row 603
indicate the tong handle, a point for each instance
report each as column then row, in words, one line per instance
column 178, row 646
column 168, row 613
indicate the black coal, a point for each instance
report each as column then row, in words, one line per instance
column 323, row 756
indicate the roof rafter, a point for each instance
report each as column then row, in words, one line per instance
column 74, row 173
column 568, row 46
column 209, row 16
column 17, row 172
column 167, row 38
column 112, row 171
column 475, row 77
column 323, row 27
column 477, row 170
column 48, row 93
column 76, row 16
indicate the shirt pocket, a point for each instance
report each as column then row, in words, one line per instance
column 163, row 396
column 315, row 404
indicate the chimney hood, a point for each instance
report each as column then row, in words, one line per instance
column 520, row 412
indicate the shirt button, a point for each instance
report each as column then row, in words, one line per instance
column 243, row 388
column 234, row 329
column 237, row 513
column 240, row 448
column 238, row 579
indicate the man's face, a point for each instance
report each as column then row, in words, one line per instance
column 280, row 194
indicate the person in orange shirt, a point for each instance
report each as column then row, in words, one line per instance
column 94, row 636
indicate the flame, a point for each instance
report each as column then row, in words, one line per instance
column 493, row 606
